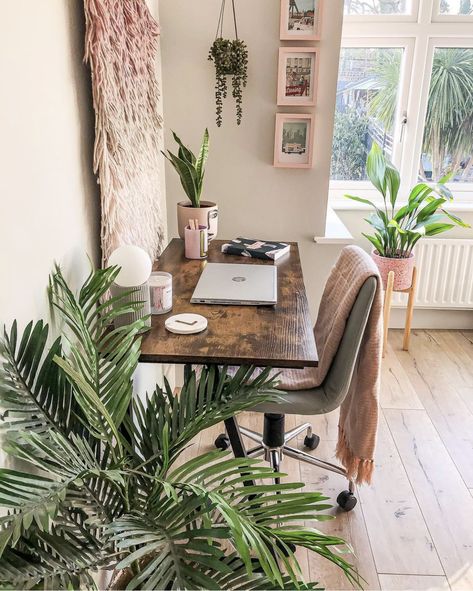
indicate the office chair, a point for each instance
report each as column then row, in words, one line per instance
column 273, row 443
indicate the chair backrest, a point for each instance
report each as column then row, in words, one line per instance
column 339, row 376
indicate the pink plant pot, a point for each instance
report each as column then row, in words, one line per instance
column 206, row 215
column 403, row 270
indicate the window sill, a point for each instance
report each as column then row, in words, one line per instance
column 348, row 205
column 335, row 231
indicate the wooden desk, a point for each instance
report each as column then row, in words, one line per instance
column 276, row 336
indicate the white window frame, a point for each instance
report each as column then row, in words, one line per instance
column 377, row 18
column 408, row 46
column 422, row 32
column 452, row 18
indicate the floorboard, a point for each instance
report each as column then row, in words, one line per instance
column 399, row 536
column 413, row 528
column 446, row 503
column 413, row 583
column 435, row 378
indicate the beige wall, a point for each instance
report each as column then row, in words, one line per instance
column 255, row 199
column 48, row 196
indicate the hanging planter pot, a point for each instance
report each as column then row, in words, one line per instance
column 230, row 57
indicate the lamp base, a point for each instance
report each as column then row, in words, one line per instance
column 140, row 294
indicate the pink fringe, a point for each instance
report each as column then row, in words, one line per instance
column 121, row 44
column 360, row 470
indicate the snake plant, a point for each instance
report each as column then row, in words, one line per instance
column 189, row 167
column 102, row 484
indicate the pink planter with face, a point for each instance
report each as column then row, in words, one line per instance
column 403, row 269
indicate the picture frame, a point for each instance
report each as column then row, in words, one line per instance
column 294, row 140
column 297, row 76
column 301, row 20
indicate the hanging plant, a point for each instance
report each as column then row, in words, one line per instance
column 231, row 59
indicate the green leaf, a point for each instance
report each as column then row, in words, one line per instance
column 33, row 498
column 202, row 160
column 458, row 221
column 184, row 152
column 31, row 384
column 101, row 422
column 376, row 168
column 187, row 175
column 393, row 181
column 376, row 243
column 438, row 228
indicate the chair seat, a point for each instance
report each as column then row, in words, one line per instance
column 299, row 402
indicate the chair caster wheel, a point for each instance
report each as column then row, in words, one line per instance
column 311, row 442
column 347, row 500
column 222, row 442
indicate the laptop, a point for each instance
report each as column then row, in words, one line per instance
column 237, row 285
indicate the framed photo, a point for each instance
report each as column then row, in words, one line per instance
column 297, row 76
column 294, row 140
column 301, row 20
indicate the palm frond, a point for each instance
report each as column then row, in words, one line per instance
column 91, row 485
column 32, row 499
column 238, row 579
column 64, row 558
column 34, row 392
column 101, row 360
column 170, row 552
column 170, row 421
column 206, row 494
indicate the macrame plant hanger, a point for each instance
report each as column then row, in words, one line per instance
column 221, row 18
column 230, row 57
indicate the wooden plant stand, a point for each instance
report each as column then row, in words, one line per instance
column 410, row 309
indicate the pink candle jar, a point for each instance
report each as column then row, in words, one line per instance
column 160, row 287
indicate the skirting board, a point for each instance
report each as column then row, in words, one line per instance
column 441, row 319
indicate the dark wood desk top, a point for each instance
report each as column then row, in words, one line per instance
column 276, row 336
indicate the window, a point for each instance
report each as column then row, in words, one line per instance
column 405, row 81
column 447, row 145
column 456, row 7
column 367, row 96
column 377, row 7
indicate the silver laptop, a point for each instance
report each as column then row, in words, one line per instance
column 238, row 285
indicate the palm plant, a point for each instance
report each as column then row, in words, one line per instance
column 191, row 169
column 449, row 121
column 103, row 488
column 386, row 70
column 397, row 230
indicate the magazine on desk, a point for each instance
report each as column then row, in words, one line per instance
column 258, row 249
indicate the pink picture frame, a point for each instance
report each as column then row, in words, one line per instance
column 294, row 140
column 301, row 21
column 298, row 76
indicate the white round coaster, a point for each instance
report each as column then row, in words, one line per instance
column 186, row 323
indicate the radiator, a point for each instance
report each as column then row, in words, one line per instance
column 445, row 275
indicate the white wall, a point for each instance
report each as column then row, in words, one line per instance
column 48, row 196
column 255, row 199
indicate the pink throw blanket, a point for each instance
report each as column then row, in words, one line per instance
column 359, row 412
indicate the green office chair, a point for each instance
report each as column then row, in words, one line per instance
column 273, row 443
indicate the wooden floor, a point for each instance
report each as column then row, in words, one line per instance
column 413, row 528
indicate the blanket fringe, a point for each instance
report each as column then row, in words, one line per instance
column 358, row 469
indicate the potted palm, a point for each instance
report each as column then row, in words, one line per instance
column 191, row 171
column 104, row 486
column 398, row 229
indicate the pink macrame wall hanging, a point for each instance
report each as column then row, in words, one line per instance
column 121, row 46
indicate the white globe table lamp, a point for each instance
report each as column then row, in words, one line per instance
column 135, row 270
